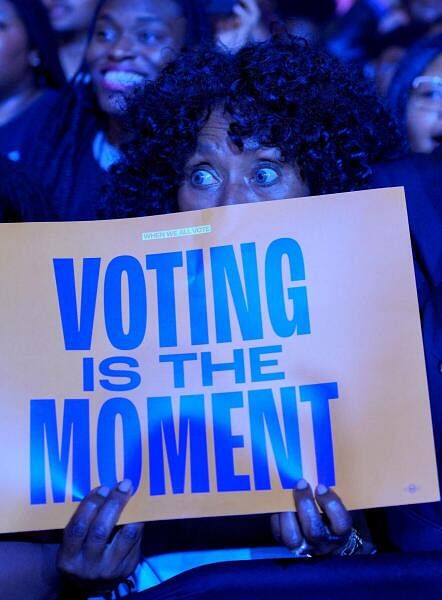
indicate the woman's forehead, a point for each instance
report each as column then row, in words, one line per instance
column 214, row 136
column 161, row 10
column 215, row 129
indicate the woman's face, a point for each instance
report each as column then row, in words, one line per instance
column 69, row 16
column 15, row 67
column 132, row 41
column 219, row 173
column 424, row 109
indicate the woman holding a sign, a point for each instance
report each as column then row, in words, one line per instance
column 277, row 120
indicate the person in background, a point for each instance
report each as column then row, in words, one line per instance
column 28, row 58
column 424, row 11
column 306, row 18
column 371, row 26
column 132, row 41
column 415, row 95
column 77, row 138
column 419, row 527
column 71, row 20
column 256, row 20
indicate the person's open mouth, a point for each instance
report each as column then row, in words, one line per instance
column 120, row 81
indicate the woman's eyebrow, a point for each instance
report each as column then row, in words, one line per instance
column 141, row 20
column 149, row 19
column 108, row 19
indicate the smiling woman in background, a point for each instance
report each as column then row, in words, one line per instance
column 131, row 43
column 77, row 137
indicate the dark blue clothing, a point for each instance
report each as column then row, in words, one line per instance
column 419, row 527
column 86, row 197
column 20, row 140
column 17, row 136
column 383, row 577
column 20, row 197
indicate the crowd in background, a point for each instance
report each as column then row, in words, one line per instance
column 394, row 44
column 347, row 93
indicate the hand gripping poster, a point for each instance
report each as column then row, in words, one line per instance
column 213, row 358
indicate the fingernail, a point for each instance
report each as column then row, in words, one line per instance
column 321, row 489
column 103, row 491
column 301, row 484
column 125, row 485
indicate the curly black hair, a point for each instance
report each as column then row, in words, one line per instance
column 280, row 92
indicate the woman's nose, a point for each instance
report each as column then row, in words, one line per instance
column 234, row 193
column 123, row 48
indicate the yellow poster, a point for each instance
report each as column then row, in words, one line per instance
column 213, row 357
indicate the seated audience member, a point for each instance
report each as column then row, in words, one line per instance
column 71, row 20
column 77, row 138
column 253, row 133
column 415, row 95
column 419, row 527
column 28, row 59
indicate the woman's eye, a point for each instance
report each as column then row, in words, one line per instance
column 266, row 176
column 203, row 178
column 432, row 94
column 150, row 37
column 105, row 34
